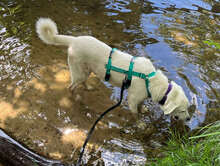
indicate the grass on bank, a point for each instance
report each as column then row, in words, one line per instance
column 203, row 149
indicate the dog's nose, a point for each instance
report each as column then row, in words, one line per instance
column 188, row 119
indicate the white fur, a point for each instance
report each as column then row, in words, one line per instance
column 87, row 54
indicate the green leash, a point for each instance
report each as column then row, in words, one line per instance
column 129, row 72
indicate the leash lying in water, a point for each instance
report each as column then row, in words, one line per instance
column 123, row 87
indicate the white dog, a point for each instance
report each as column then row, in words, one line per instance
column 87, row 54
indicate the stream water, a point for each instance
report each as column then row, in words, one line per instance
column 37, row 108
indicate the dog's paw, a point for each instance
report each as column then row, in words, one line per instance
column 141, row 125
column 92, row 83
column 90, row 87
column 78, row 98
column 71, row 87
column 144, row 109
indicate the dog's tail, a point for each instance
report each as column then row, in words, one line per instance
column 47, row 31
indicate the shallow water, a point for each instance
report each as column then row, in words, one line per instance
column 37, row 108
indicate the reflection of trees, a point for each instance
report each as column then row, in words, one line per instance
column 104, row 19
column 111, row 22
column 215, row 5
column 186, row 32
column 114, row 22
column 14, row 38
column 12, row 17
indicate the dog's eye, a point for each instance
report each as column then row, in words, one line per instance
column 176, row 117
column 182, row 112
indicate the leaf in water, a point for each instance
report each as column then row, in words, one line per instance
column 15, row 9
column 21, row 23
column 212, row 43
column 14, row 30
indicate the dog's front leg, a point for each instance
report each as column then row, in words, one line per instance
column 133, row 106
column 71, row 86
column 136, row 96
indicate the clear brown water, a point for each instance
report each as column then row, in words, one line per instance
column 37, row 108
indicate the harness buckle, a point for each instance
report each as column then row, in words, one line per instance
column 107, row 76
column 142, row 75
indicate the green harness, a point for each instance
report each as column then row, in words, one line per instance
column 128, row 73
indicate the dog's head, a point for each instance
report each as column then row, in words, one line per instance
column 176, row 104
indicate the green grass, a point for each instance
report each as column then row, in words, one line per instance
column 212, row 43
column 203, row 149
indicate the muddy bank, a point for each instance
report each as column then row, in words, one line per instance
column 14, row 154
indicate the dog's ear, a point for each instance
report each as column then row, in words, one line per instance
column 168, row 107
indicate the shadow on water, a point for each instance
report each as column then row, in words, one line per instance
column 37, row 108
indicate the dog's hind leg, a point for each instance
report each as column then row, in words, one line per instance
column 78, row 71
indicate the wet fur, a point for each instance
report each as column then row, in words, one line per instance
column 87, row 54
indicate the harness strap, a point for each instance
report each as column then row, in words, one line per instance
column 129, row 73
column 109, row 65
column 128, row 77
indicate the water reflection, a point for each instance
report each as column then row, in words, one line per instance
column 14, row 48
column 123, row 153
